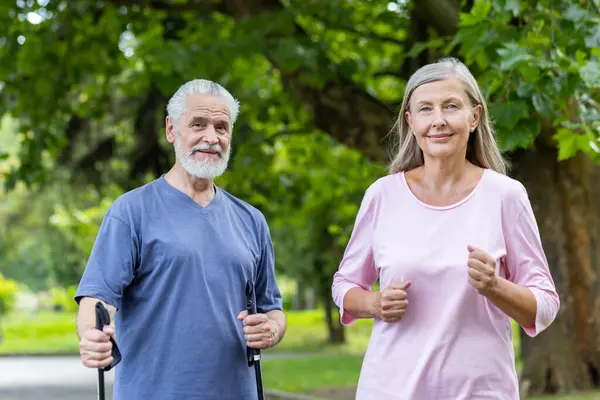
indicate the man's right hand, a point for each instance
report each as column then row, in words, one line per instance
column 95, row 347
column 393, row 301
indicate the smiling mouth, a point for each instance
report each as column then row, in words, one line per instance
column 439, row 137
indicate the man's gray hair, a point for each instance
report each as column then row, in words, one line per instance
column 176, row 104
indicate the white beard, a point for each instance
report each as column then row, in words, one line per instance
column 202, row 170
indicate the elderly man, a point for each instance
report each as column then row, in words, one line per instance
column 171, row 262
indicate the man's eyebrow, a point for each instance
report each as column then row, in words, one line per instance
column 222, row 121
column 201, row 119
column 196, row 119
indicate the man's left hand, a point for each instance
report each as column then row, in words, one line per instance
column 482, row 270
column 259, row 330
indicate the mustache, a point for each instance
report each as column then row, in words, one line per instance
column 203, row 147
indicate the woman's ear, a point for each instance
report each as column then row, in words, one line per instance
column 476, row 116
column 408, row 119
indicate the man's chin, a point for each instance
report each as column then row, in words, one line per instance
column 205, row 171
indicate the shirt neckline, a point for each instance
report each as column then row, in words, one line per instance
column 173, row 191
column 450, row 206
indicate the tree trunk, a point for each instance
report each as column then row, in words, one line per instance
column 335, row 330
column 565, row 198
column 300, row 296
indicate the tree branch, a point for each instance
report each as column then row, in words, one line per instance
column 331, row 25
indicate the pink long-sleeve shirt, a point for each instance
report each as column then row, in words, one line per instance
column 452, row 343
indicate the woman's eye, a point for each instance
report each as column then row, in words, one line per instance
column 425, row 109
column 453, row 106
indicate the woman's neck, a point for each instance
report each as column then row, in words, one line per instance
column 438, row 174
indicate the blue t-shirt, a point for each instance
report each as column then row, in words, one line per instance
column 177, row 272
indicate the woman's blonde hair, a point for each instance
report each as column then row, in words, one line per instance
column 482, row 149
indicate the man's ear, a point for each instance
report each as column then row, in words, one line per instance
column 170, row 129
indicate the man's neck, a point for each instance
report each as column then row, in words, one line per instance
column 201, row 190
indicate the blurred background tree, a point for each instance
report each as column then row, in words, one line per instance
column 84, row 87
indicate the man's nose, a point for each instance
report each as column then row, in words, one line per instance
column 210, row 134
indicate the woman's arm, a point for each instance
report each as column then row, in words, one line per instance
column 516, row 301
column 528, row 293
column 362, row 303
column 357, row 271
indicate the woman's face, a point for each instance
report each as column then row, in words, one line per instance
column 442, row 118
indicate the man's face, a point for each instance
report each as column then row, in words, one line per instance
column 202, row 136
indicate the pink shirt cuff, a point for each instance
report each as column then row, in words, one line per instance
column 339, row 291
column 546, row 310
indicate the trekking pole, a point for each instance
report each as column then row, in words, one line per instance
column 103, row 319
column 254, row 354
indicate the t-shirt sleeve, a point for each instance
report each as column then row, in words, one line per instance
column 357, row 268
column 268, row 295
column 111, row 265
column 527, row 265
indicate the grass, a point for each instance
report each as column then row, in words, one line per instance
column 40, row 333
column 307, row 374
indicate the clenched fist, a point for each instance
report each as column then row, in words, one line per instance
column 95, row 347
column 393, row 301
column 482, row 270
column 260, row 332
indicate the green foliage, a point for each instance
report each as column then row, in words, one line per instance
column 8, row 294
column 538, row 63
column 61, row 299
column 320, row 185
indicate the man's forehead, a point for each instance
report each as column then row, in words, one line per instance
column 204, row 103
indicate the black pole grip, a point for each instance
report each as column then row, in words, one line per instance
column 251, row 308
column 103, row 319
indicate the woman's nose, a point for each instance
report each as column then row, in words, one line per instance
column 438, row 119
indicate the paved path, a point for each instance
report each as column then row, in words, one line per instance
column 51, row 378
column 57, row 378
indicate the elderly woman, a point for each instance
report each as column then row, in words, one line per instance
column 456, row 248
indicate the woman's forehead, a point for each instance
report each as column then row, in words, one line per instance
column 438, row 90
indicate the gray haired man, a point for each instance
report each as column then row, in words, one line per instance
column 171, row 262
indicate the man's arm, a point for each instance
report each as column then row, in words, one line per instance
column 86, row 316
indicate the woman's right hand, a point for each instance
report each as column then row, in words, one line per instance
column 393, row 301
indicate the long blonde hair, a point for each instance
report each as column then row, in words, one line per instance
column 482, row 149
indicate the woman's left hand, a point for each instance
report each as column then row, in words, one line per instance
column 482, row 270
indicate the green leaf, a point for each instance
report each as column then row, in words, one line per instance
column 590, row 74
column 513, row 55
column 569, row 143
column 513, row 6
column 575, row 13
column 478, row 13
column 593, row 39
column 4, row 156
column 507, row 115
column 543, row 104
